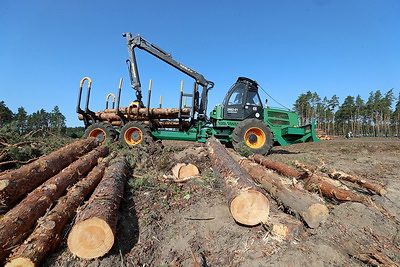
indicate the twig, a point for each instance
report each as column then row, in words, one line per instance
column 17, row 161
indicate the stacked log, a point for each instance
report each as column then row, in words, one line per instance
column 93, row 234
column 17, row 183
column 46, row 235
column 139, row 114
column 310, row 210
column 157, row 123
column 17, row 223
column 248, row 206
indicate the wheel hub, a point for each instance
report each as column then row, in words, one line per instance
column 253, row 138
column 135, row 136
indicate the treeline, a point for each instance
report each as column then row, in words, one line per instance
column 379, row 115
column 40, row 121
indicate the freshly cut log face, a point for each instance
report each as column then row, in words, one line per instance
column 250, row 208
column 91, row 238
column 247, row 207
column 93, row 234
column 15, row 184
column 182, row 170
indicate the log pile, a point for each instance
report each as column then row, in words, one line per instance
column 158, row 117
column 288, row 186
column 46, row 235
column 17, row 183
column 17, row 223
column 30, row 229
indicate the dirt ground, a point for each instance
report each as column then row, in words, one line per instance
column 189, row 224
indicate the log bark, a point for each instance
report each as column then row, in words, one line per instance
column 354, row 179
column 277, row 166
column 248, row 206
column 17, row 223
column 93, row 234
column 157, row 123
column 15, row 184
column 46, row 235
column 311, row 211
column 140, row 114
column 316, row 182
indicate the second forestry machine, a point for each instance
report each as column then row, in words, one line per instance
column 241, row 119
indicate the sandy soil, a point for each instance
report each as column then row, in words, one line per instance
column 190, row 225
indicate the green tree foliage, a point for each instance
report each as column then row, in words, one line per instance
column 374, row 117
column 22, row 123
column 6, row 114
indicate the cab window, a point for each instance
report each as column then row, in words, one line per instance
column 253, row 99
column 236, row 97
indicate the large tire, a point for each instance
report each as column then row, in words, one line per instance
column 135, row 133
column 102, row 131
column 254, row 135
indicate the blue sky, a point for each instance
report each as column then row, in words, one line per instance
column 342, row 47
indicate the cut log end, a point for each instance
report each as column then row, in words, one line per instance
column 4, row 184
column 20, row 262
column 315, row 214
column 250, row 208
column 91, row 238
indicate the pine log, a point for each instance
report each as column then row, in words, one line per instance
column 285, row 227
column 15, row 184
column 157, row 123
column 294, row 200
column 139, row 114
column 277, row 166
column 354, row 179
column 248, row 206
column 46, row 235
column 93, row 234
column 152, row 111
column 17, row 223
column 316, row 182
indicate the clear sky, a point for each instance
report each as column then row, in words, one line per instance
column 342, row 47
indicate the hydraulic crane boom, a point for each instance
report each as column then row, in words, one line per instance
column 139, row 42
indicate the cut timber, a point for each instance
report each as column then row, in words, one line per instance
column 46, row 235
column 15, row 184
column 277, row 166
column 315, row 182
column 157, row 123
column 182, row 170
column 249, row 206
column 139, row 114
column 93, row 234
column 354, row 179
column 17, row 223
column 310, row 210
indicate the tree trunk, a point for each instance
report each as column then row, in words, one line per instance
column 15, row 184
column 46, row 236
column 249, row 206
column 93, row 234
column 311, row 211
column 357, row 180
column 279, row 167
column 18, row 222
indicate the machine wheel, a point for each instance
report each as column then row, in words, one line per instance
column 102, row 131
column 135, row 133
column 253, row 134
